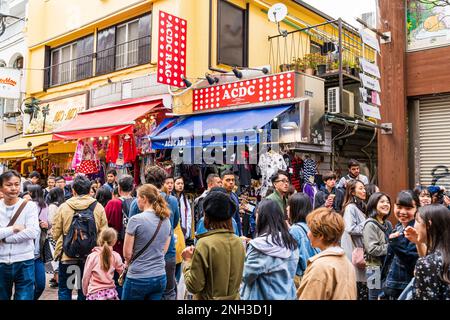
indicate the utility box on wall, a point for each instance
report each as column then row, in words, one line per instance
column 312, row 88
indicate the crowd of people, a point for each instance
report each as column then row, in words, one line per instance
column 149, row 242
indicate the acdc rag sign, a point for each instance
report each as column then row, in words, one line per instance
column 264, row 89
column 171, row 50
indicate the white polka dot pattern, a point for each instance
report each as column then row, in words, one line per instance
column 172, row 50
column 264, row 89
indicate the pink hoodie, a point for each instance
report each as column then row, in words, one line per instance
column 94, row 277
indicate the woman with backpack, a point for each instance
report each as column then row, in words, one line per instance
column 37, row 196
column 375, row 236
column 272, row 257
column 54, row 199
column 147, row 239
column 101, row 264
column 354, row 209
column 402, row 253
column 299, row 207
column 432, row 272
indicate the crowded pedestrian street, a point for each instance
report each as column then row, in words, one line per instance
column 252, row 151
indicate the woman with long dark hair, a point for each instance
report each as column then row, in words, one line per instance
column 103, row 196
column 375, row 236
column 402, row 253
column 432, row 272
column 299, row 207
column 272, row 257
column 185, row 210
column 37, row 196
column 54, row 199
column 354, row 209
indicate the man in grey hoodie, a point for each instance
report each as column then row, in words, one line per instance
column 16, row 240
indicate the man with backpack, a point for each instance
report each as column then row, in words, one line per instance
column 76, row 225
column 117, row 214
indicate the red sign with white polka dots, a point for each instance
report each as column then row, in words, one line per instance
column 259, row 90
column 171, row 49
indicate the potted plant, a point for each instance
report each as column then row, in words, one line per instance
column 311, row 62
column 346, row 66
column 333, row 66
column 298, row 64
column 321, row 64
column 355, row 68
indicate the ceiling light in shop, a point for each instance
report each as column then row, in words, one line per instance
column 144, row 120
column 289, row 125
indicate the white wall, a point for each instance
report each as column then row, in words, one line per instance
column 13, row 45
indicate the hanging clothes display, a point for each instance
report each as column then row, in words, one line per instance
column 309, row 169
column 113, row 150
column 88, row 164
column 297, row 167
column 269, row 163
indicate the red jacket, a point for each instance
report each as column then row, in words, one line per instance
column 114, row 216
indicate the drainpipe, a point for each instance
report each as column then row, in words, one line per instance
column 355, row 128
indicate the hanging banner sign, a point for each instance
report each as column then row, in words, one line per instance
column 370, row 111
column 370, row 40
column 370, row 68
column 370, row 96
column 10, row 83
column 370, row 82
column 171, row 50
column 263, row 89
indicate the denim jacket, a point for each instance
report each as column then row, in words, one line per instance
column 401, row 260
column 299, row 232
column 269, row 271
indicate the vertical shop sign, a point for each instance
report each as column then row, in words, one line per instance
column 171, row 49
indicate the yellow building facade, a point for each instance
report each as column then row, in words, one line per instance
column 54, row 26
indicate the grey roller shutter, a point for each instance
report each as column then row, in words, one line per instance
column 434, row 132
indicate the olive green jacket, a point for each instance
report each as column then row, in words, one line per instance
column 215, row 271
column 282, row 201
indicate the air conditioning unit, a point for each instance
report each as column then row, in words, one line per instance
column 348, row 102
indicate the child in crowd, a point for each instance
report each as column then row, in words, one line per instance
column 98, row 276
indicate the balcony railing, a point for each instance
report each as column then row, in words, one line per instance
column 338, row 47
column 121, row 56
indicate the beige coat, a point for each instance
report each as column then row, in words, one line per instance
column 63, row 220
column 328, row 276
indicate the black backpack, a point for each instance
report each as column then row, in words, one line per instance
column 126, row 204
column 82, row 235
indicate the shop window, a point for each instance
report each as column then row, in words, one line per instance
column 124, row 45
column 232, row 34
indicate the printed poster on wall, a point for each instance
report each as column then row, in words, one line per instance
column 427, row 24
column 171, row 50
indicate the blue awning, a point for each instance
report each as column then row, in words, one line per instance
column 198, row 130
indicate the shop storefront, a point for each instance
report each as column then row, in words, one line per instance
column 252, row 127
column 113, row 136
column 25, row 154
